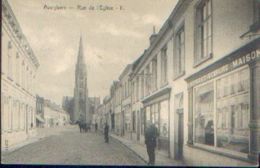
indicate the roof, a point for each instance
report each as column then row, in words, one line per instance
column 8, row 13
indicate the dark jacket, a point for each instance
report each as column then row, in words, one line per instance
column 106, row 129
column 151, row 134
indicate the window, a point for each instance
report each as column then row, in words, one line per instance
column 178, row 99
column 137, row 88
column 134, row 96
column 10, row 62
column 147, row 80
column 5, row 113
column 256, row 11
column 4, row 53
column 148, row 113
column 10, row 113
column 142, row 84
column 223, row 121
column 179, row 56
column 154, row 74
column 203, row 35
column 164, row 66
column 142, row 121
column 204, row 113
column 164, row 123
column 233, row 112
column 17, row 68
column 22, row 117
column 23, row 74
column 134, row 118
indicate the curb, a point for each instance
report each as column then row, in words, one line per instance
column 130, row 149
column 20, row 146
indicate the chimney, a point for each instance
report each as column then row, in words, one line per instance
column 153, row 36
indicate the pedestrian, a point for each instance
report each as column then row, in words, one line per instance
column 106, row 129
column 151, row 134
column 96, row 127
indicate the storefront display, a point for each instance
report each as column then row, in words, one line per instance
column 164, row 118
column 233, row 112
column 228, row 113
column 204, row 116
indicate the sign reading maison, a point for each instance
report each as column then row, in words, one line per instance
column 228, row 67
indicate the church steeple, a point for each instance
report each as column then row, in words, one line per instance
column 81, row 106
column 81, row 53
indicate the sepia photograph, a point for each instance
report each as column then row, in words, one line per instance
column 130, row 83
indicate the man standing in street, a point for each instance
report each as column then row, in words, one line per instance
column 151, row 134
column 96, row 127
column 106, row 129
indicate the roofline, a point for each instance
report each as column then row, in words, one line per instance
column 32, row 55
column 168, row 23
column 128, row 67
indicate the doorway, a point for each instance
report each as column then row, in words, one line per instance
column 180, row 135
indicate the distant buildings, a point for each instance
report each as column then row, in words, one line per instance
column 50, row 114
column 67, row 105
column 94, row 102
column 18, row 71
column 198, row 82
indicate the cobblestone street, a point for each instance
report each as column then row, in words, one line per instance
column 72, row 147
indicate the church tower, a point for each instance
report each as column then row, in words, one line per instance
column 81, row 105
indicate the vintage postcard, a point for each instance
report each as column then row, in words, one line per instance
column 130, row 82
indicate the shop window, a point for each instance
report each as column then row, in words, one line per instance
column 203, row 116
column 233, row 112
column 164, row 119
column 142, row 121
column 203, row 35
column 148, row 113
column 156, row 115
column 134, row 118
column 5, row 113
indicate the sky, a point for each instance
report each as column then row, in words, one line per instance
column 111, row 39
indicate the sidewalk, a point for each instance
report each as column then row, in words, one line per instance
column 140, row 150
column 39, row 134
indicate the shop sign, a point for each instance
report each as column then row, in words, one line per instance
column 245, row 59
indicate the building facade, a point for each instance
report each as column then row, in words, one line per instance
column 94, row 102
column 18, row 73
column 81, row 104
column 39, row 112
column 67, row 104
column 126, row 114
column 198, row 82
column 54, row 115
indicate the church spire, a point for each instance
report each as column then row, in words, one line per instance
column 80, row 53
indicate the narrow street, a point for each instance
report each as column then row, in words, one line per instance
column 74, row 148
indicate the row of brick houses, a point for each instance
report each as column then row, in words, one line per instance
column 201, row 72
column 18, row 73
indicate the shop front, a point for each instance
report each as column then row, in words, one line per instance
column 156, row 110
column 223, row 115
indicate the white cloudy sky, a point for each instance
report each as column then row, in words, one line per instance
column 111, row 39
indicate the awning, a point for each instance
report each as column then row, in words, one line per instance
column 40, row 118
